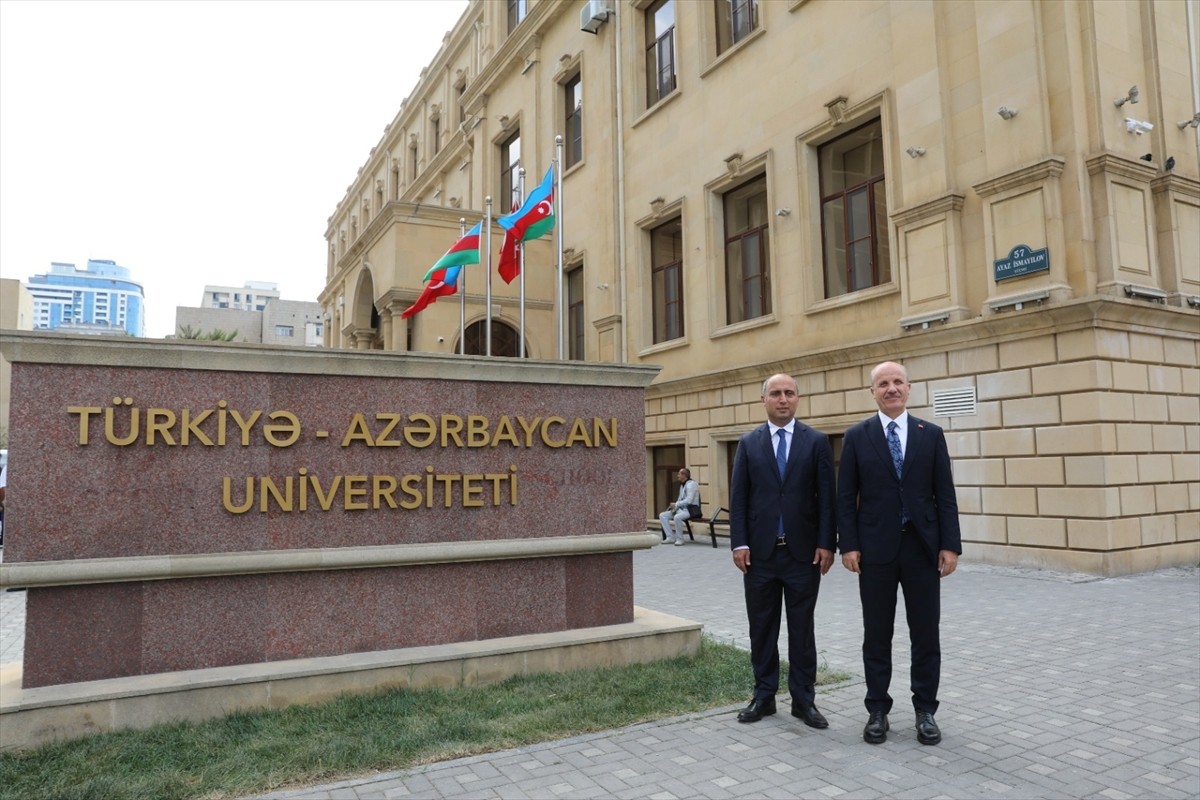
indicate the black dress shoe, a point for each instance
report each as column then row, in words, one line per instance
column 757, row 710
column 927, row 729
column 876, row 729
column 809, row 713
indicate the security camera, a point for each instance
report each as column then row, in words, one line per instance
column 1137, row 127
column 441, row 339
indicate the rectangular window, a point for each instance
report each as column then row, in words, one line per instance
column 517, row 9
column 735, row 20
column 660, row 51
column 730, row 457
column 413, row 176
column 573, row 101
column 435, row 130
column 462, row 108
column 575, row 343
column 283, row 330
column 510, row 165
column 666, row 280
column 747, row 255
column 666, row 462
column 854, row 214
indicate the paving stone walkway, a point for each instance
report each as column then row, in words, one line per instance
column 1053, row 686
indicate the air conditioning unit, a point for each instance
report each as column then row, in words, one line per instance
column 593, row 14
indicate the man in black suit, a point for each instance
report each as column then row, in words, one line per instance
column 781, row 524
column 898, row 526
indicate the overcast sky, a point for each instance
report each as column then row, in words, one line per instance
column 195, row 142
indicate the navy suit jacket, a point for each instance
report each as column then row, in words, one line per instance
column 870, row 494
column 804, row 496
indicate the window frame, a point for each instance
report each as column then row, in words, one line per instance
column 874, row 187
column 664, row 276
column 573, row 120
column 761, row 232
column 509, row 170
column 726, row 16
column 576, row 339
column 516, row 11
column 656, row 88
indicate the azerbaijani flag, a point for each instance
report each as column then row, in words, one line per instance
column 442, row 277
column 533, row 219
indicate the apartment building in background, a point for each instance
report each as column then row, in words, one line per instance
column 290, row 322
column 99, row 299
column 252, row 296
column 1003, row 196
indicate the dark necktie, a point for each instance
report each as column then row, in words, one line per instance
column 893, row 440
column 781, row 463
column 894, row 445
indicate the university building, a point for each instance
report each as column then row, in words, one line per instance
column 1003, row 196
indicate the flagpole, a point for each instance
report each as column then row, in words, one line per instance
column 487, row 268
column 521, row 323
column 558, row 226
column 462, row 295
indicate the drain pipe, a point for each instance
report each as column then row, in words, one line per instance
column 620, row 138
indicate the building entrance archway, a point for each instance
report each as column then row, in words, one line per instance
column 504, row 339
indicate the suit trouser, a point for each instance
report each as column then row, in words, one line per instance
column 770, row 585
column 917, row 576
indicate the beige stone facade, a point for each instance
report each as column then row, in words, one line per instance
column 16, row 313
column 1031, row 234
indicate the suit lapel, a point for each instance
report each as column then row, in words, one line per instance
column 878, row 439
column 916, row 439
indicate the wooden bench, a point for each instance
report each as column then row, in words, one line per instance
column 712, row 525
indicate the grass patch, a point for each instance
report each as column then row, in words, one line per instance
column 261, row 751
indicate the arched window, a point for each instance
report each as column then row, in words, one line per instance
column 504, row 339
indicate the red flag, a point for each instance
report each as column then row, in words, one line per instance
column 533, row 219
column 510, row 256
column 442, row 277
column 443, row 282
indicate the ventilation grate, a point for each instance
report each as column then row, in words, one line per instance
column 954, row 402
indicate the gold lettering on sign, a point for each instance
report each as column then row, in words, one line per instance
column 122, row 424
column 369, row 492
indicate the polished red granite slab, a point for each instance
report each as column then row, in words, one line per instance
column 100, row 500
column 107, row 631
column 156, row 496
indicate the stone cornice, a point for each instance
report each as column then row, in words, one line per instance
column 1109, row 313
column 208, row 565
column 55, row 348
column 524, row 41
column 1176, row 184
column 946, row 203
column 1049, row 167
column 1120, row 165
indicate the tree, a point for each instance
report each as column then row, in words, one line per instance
column 215, row 335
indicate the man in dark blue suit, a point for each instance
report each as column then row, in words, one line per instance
column 781, row 525
column 898, row 527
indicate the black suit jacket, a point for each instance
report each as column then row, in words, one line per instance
column 804, row 496
column 870, row 495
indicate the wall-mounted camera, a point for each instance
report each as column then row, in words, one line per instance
column 1137, row 127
